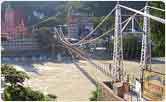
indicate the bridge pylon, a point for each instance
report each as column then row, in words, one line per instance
column 117, row 70
column 146, row 42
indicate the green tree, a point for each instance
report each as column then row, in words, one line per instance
column 15, row 90
column 131, row 47
column 48, row 39
column 158, row 29
column 45, row 37
column 13, row 76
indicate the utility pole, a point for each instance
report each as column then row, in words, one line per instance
column 146, row 42
column 118, row 74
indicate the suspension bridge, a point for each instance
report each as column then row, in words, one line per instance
column 116, row 72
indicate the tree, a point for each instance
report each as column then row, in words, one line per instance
column 48, row 39
column 15, row 90
column 45, row 37
column 158, row 30
column 131, row 47
column 13, row 76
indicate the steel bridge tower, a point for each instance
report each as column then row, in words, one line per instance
column 118, row 72
column 146, row 42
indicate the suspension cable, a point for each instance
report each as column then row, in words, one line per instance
column 99, row 67
column 128, row 19
column 105, row 33
column 90, row 41
column 63, row 37
column 82, row 55
column 109, row 30
column 156, row 8
column 96, row 26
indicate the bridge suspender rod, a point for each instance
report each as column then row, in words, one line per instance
column 144, row 14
